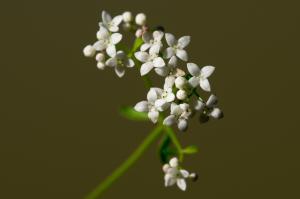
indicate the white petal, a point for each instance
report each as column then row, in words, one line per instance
column 204, row 84
column 182, row 54
column 121, row 55
column 169, row 52
column 170, row 97
column 170, row 120
column 142, row 56
column 158, row 35
column 173, row 162
column 181, row 184
column 120, row 71
column 199, row 106
column 175, row 109
column 169, row 82
column 206, row 71
column 130, row 63
column 152, row 95
column 111, row 50
column 146, row 68
column 182, row 125
column 171, row 41
column 158, row 62
column 193, row 69
column 161, row 104
column 145, row 47
column 154, row 49
column 212, row 100
column 164, row 71
column 165, row 167
column 112, row 62
column 106, row 18
column 103, row 33
column 113, row 28
column 100, row 45
column 216, row 113
column 173, row 62
column 117, row 20
column 115, row 38
column 184, row 173
column 169, row 180
column 181, row 94
column 194, row 81
column 141, row 106
column 183, row 41
column 153, row 116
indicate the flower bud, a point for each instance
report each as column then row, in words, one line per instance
column 166, row 167
column 212, row 100
column 140, row 19
column 182, row 125
column 216, row 113
column 100, row 57
column 174, row 162
column 127, row 16
column 100, row 65
column 139, row 33
column 181, row 95
column 199, row 106
column 89, row 51
column 180, row 82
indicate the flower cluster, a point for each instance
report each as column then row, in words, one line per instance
column 178, row 99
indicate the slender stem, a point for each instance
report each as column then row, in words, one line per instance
column 153, row 135
column 175, row 141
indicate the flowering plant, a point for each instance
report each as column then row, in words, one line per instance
column 174, row 103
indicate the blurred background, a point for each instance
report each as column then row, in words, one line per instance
column 61, row 133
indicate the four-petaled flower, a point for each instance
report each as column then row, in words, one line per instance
column 177, row 47
column 111, row 24
column 173, row 174
column 209, row 109
column 107, row 41
column 200, row 76
column 150, row 60
column 179, row 114
column 152, row 40
column 119, row 61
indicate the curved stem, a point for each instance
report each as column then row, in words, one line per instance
column 175, row 141
column 152, row 136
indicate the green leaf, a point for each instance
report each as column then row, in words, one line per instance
column 137, row 43
column 129, row 113
column 166, row 149
column 190, row 149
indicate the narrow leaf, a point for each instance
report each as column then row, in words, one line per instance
column 129, row 113
column 190, row 149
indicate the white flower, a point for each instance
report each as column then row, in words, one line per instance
column 111, row 24
column 152, row 41
column 149, row 106
column 209, row 108
column 174, row 175
column 167, row 96
column 177, row 47
column 179, row 114
column 89, row 51
column 127, row 16
column 140, row 19
column 200, row 76
column 119, row 61
column 150, row 60
column 100, row 58
column 170, row 69
column 107, row 41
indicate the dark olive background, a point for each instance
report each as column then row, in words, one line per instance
column 61, row 133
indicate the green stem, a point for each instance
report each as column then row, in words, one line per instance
column 175, row 141
column 153, row 135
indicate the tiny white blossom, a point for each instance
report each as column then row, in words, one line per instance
column 209, row 108
column 170, row 69
column 200, row 76
column 100, row 58
column 109, row 23
column 152, row 41
column 149, row 106
column 127, row 16
column 119, row 61
column 140, row 19
column 167, row 96
column 150, row 60
column 177, row 47
column 107, row 41
column 89, row 51
column 175, row 175
column 179, row 114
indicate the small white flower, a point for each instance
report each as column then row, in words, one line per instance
column 150, row 60
column 119, row 61
column 89, row 51
column 140, row 19
column 174, row 175
column 127, row 17
column 209, row 108
column 100, row 58
column 179, row 114
column 170, row 69
column 167, row 96
column 107, row 41
column 152, row 41
column 149, row 106
column 200, row 76
column 111, row 24
column 177, row 47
